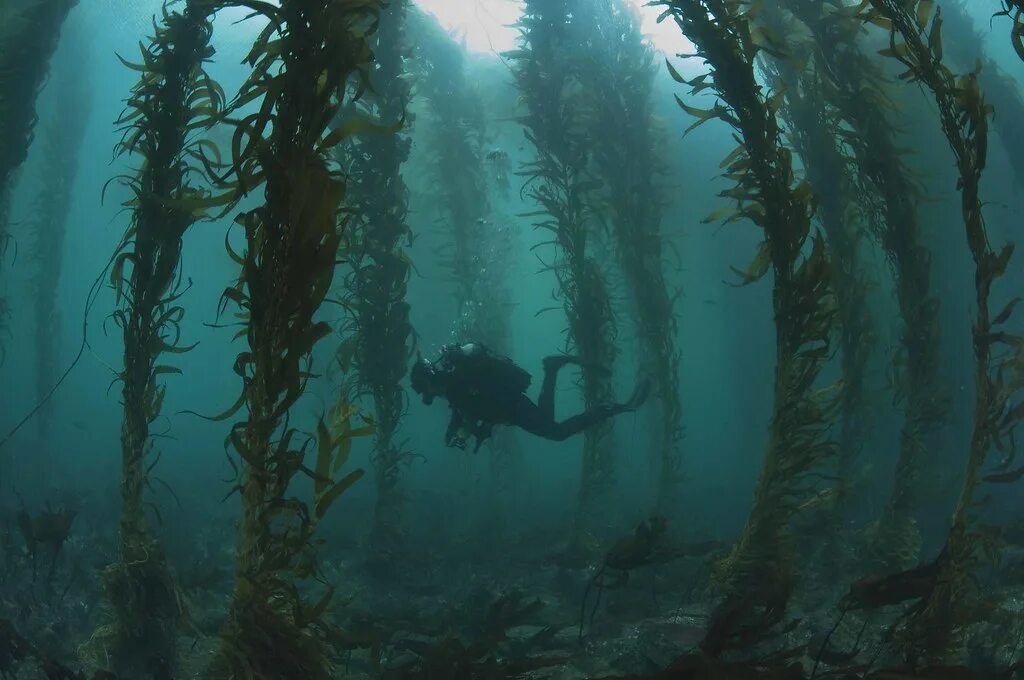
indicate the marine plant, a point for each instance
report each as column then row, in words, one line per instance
column 968, row 46
column 915, row 40
column 304, row 63
column 475, row 254
column 757, row 577
column 1015, row 10
column 27, row 43
column 379, row 336
column 173, row 101
column 844, row 210
column 62, row 141
column 617, row 76
column 855, row 84
column 558, row 179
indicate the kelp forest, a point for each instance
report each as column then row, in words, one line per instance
column 511, row 339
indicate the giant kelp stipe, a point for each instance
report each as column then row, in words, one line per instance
column 558, row 181
column 173, row 99
column 379, row 344
column 340, row 241
column 31, row 30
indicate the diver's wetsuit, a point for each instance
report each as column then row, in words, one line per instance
column 486, row 390
column 539, row 418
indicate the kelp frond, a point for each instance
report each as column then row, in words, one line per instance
column 1015, row 10
column 173, row 100
column 812, row 112
column 757, row 577
column 60, row 146
column 559, row 181
column 28, row 39
column 311, row 56
column 379, row 337
column 889, row 195
column 916, row 42
column 616, row 85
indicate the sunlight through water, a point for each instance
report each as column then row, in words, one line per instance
column 488, row 25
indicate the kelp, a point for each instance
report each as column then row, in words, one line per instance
column 916, row 42
column 27, row 42
column 61, row 144
column 475, row 253
column 1015, row 10
column 304, row 63
column 966, row 46
column 855, row 84
column 757, row 577
column 173, row 101
column 810, row 110
column 616, row 76
column 379, row 337
column 558, row 180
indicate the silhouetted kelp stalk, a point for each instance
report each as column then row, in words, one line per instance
column 62, row 141
column 457, row 146
column 617, row 75
column 757, row 576
column 303, row 65
column 474, row 257
column 855, row 86
column 916, row 41
column 844, row 210
column 28, row 39
column 559, row 182
column 173, row 100
column 379, row 338
column 967, row 46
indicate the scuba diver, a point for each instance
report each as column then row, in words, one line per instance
column 485, row 389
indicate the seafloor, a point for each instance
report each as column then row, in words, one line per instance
column 501, row 609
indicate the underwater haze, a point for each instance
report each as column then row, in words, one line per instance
column 495, row 339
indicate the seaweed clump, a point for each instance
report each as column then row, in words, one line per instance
column 559, row 181
column 380, row 335
column 916, row 42
column 304, row 63
column 757, row 576
column 173, row 99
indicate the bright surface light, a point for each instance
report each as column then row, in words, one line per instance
column 487, row 25
column 666, row 36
